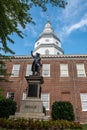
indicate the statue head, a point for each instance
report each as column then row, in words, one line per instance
column 37, row 54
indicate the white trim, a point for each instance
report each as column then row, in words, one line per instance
column 15, row 70
column 28, row 70
column 10, row 95
column 64, row 70
column 83, row 97
column 46, row 70
column 24, row 96
column 45, row 97
column 80, row 70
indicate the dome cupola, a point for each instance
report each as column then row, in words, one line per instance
column 48, row 43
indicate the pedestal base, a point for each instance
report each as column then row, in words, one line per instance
column 39, row 116
column 33, row 105
column 31, row 108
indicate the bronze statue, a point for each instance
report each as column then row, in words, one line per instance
column 36, row 65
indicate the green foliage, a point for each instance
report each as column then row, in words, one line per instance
column 31, row 124
column 17, row 12
column 13, row 13
column 1, row 95
column 7, row 107
column 63, row 110
column 84, row 127
column 3, row 71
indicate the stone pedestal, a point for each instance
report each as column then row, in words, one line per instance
column 34, row 86
column 32, row 106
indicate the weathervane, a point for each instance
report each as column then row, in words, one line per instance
column 48, row 18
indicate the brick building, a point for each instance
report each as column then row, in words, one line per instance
column 65, row 76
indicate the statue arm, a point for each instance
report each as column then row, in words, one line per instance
column 32, row 54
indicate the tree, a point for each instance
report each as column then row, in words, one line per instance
column 63, row 110
column 14, row 13
column 3, row 69
column 17, row 12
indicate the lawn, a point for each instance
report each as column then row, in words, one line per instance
column 84, row 127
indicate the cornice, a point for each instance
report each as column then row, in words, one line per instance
column 52, row 56
column 48, row 45
column 65, row 57
column 46, row 35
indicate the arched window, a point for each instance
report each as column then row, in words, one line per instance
column 58, row 53
column 37, row 43
column 47, row 52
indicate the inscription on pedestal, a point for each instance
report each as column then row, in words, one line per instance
column 30, row 107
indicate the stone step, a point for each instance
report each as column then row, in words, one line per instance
column 40, row 116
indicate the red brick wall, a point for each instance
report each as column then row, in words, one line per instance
column 60, row 88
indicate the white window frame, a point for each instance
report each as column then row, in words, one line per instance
column 47, row 52
column 15, row 70
column 24, row 96
column 45, row 98
column 9, row 95
column 80, row 70
column 46, row 70
column 83, row 97
column 64, row 70
column 28, row 70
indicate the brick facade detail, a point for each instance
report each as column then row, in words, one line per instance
column 59, row 88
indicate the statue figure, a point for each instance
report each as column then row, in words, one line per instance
column 36, row 65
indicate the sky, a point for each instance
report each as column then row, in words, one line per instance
column 69, row 24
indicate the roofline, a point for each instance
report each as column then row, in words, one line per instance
column 46, row 34
column 50, row 56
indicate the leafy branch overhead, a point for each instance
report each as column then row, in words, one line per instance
column 17, row 12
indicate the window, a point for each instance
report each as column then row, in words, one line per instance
column 47, row 52
column 83, row 97
column 24, row 95
column 47, row 40
column 15, row 70
column 58, row 53
column 10, row 95
column 64, row 70
column 46, row 70
column 80, row 70
column 37, row 43
column 45, row 97
column 28, row 70
column 57, row 42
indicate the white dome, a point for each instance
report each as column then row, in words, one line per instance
column 48, row 42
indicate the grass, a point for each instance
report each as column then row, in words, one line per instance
column 84, row 127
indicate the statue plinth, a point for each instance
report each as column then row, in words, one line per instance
column 32, row 106
column 34, row 86
column 33, row 78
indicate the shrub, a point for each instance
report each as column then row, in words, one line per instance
column 7, row 107
column 63, row 110
column 30, row 124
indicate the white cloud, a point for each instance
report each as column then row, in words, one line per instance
column 72, row 18
column 76, row 26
